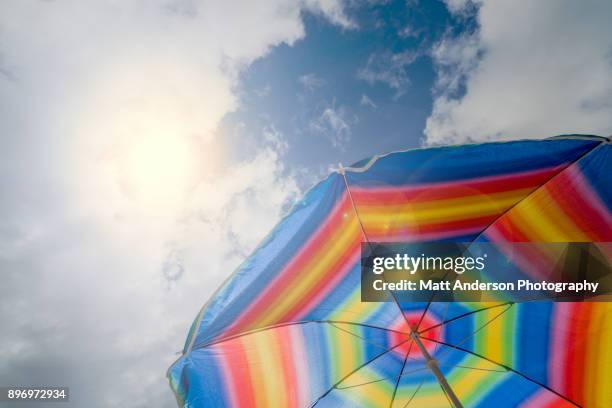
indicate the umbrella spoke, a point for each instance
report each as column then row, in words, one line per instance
column 477, row 330
column 365, row 235
column 462, row 316
column 473, row 368
column 400, row 375
column 335, row 385
column 507, row 210
column 358, row 336
column 508, row 368
column 414, row 394
column 275, row 326
column 416, row 370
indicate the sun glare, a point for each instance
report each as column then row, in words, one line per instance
column 154, row 132
column 159, row 169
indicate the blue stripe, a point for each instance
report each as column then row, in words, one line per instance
column 202, row 374
column 469, row 161
column 534, row 321
column 597, row 169
column 269, row 259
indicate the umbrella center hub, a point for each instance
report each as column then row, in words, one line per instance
column 428, row 327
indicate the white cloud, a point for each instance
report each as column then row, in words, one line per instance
column 410, row 32
column 275, row 139
column 534, row 69
column 366, row 101
column 263, row 91
column 121, row 209
column 333, row 10
column 335, row 123
column 311, row 81
column 390, row 69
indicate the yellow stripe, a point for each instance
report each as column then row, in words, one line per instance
column 373, row 395
column 492, row 340
column 520, row 221
column 470, row 384
column 353, row 309
column 255, row 375
column 312, row 272
column 439, row 211
column 430, row 395
column 269, row 368
column 544, row 218
column 346, row 351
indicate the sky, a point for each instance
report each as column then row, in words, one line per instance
column 148, row 146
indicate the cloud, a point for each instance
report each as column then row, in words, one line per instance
column 533, row 69
column 366, row 101
column 332, row 10
column 275, row 139
column 410, row 32
column 390, row 69
column 335, row 123
column 263, row 91
column 311, row 81
column 122, row 209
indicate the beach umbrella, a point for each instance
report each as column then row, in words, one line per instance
column 289, row 329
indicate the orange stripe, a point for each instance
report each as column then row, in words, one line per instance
column 316, row 245
column 326, row 282
column 313, row 272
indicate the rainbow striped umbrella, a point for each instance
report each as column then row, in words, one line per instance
column 289, row 329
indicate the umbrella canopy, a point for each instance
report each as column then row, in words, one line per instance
column 289, row 329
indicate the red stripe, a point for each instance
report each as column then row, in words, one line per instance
column 504, row 230
column 476, row 223
column 327, row 282
column 236, row 369
column 407, row 237
column 296, row 266
column 577, row 349
column 446, row 190
column 571, row 193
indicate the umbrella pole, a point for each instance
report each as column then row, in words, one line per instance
column 432, row 364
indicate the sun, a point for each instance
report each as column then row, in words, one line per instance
column 160, row 168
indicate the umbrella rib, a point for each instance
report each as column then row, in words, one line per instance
column 576, row 160
column 416, row 370
column 358, row 336
column 414, row 394
column 474, row 368
column 463, row 315
column 583, row 155
column 335, row 385
column 275, row 326
column 480, row 328
column 382, row 379
column 480, row 310
column 508, row 368
column 365, row 235
column 400, row 375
